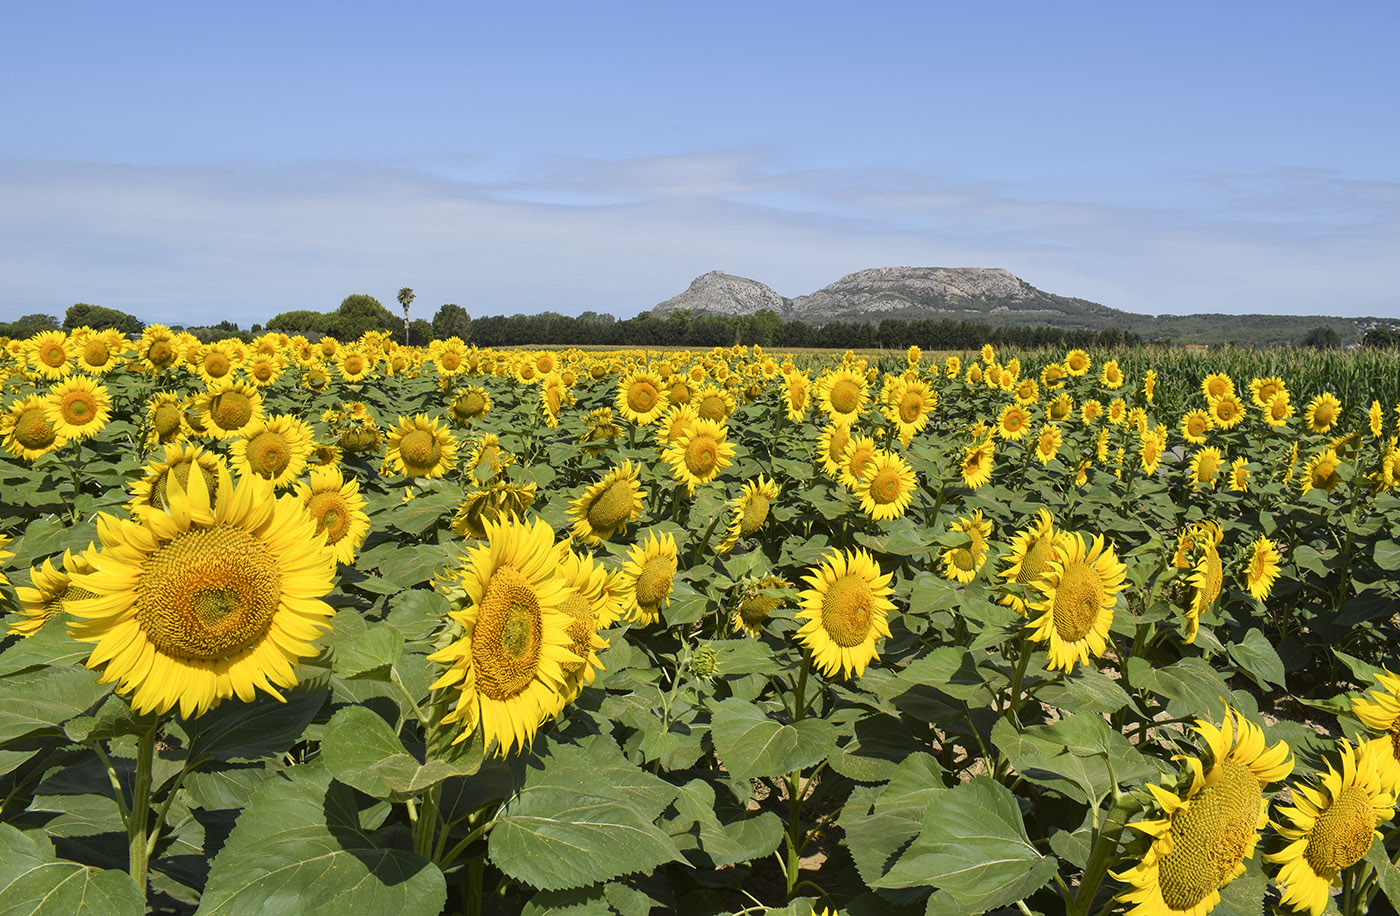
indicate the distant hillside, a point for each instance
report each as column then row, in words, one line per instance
column 990, row 296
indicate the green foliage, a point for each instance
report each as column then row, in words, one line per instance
column 99, row 318
column 28, row 325
column 451, row 320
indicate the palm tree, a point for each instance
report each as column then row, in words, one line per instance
column 405, row 297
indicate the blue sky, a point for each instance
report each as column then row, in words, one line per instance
column 192, row 162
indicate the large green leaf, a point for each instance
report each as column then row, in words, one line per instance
column 361, row 750
column 1257, row 656
column 751, row 745
column 42, row 699
column 584, row 815
column 877, row 831
column 742, row 840
column 35, row 882
column 1191, row 686
column 251, row 731
column 298, row 849
column 1073, row 756
column 974, row 846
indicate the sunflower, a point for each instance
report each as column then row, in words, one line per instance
column 1048, row 443
column 844, row 395
column 1195, row 425
column 886, row 487
column 1149, row 385
column 27, row 431
column 50, row 588
column 845, row 610
column 963, row 563
column 181, row 460
column 1320, row 472
column 1209, row 827
column 228, row 409
column 1077, row 592
column 1052, row 377
column 5, row 555
column 1029, row 558
column 469, row 403
column 1076, row 362
column 1154, row 443
column 1226, row 412
column 488, row 459
column 910, row 412
column 275, row 449
column 1027, row 391
column 554, row 397
column 748, row 511
column 1089, row 411
column 758, row 599
column 700, row 454
column 1014, row 422
column 645, row 580
column 1262, row 390
column 501, row 500
column 100, row 353
column 1205, row 465
column 157, row 348
column 713, row 403
column 508, row 666
column 1322, row 412
column 1111, row 376
column 51, row 355
column 420, row 447
column 335, row 504
column 856, row 459
column 215, row 362
column 1059, row 409
column 263, row 370
column 1239, row 475
column 831, row 445
column 1330, row 827
column 607, row 506
column 1278, row 410
column 641, row 397
column 165, row 419
column 79, row 407
column 797, row 395
column 1207, row 574
column 217, row 598
column 589, row 607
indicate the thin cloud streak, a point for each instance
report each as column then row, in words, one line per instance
column 198, row 245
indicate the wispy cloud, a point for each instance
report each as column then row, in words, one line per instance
column 196, row 245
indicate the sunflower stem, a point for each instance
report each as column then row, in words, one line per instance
column 1017, row 676
column 138, row 842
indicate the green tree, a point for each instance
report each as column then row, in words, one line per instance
column 360, row 313
column 405, row 297
column 420, row 331
column 1382, row 339
column 300, row 321
column 1322, row 338
column 82, row 314
column 29, row 325
column 452, row 321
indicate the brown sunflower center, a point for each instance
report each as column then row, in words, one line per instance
column 701, row 455
column 95, row 353
column 78, row 408
column 331, row 513
column 712, row 407
column 654, row 581
column 208, row 594
column 911, row 407
column 420, row 450
column 53, row 355
column 848, row 610
column 1078, row 599
column 754, row 513
column 1342, row 833
column 1210, row 837
column 269, row 453
column 508, row 636
column 160, row 487
column 1214, row 574
column 471, row 404
column 1033, row 563
column 885, row 486
column 166, row 420
column 612, row 507
column 32, row 429
column 231, row 410
column 216, row 365
column 642, row 396
column 845, row 396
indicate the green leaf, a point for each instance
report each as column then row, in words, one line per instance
column 371, row 651
column 751, row 745
column 974, row 846
column 743, row 840
column 1256, row 655
column 1388, row 555
column 582, row 818
column 251, row 731
column 42, row 700
column 876, row 832
column 1073, row 755
column 298, row 849
column 362, row 751
column 424, row 511
column 35, row 882
column 1191, row 685
column 1387, row 875
column 50, row 647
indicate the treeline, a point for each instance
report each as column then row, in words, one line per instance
column 767, row 328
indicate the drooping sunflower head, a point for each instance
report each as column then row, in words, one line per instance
column 27, row 430
column 1330, row 826
column 748, row 511
column 1076, row 598
column 1208, row 828
column 846, row 610
column 609, row 505
column 963, row 561
column 645, row 580
column 758, row 599
column 218, row 597
column 1262, row 567
column 1029, row 558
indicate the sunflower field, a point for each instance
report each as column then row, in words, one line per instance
column 317, row 627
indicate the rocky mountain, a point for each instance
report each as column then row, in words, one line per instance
column 957, row 293
column 719, row 293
